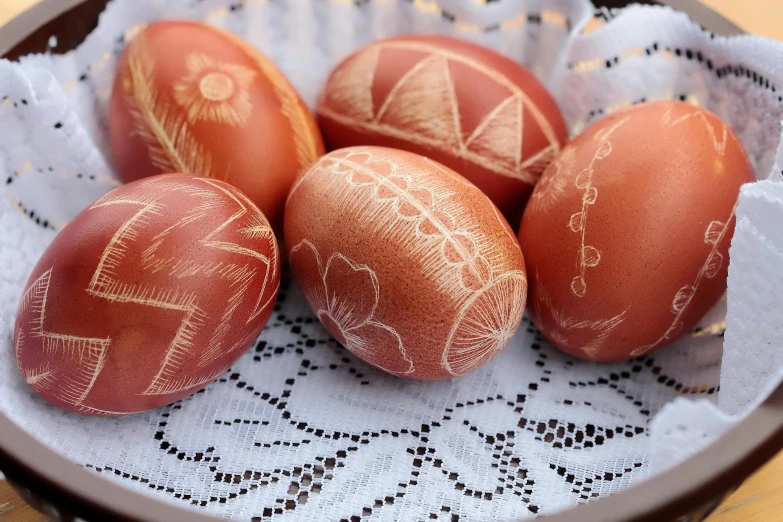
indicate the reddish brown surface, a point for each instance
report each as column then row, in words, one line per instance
column 400, row 91
column 653, row 218
column 405, row 263
column 147, row 296
column 266, row 138
column 750, row 503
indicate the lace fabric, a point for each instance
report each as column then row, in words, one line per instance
column 299, row 429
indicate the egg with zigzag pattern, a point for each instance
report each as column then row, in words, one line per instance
column 147, row 296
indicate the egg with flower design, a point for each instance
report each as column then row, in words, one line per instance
column 405, row 262
column 193, row 98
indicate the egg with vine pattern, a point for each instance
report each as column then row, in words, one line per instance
column 627, row 234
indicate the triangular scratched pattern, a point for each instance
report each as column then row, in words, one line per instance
column 301, row 430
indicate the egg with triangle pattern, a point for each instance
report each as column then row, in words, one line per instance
column 466, row 106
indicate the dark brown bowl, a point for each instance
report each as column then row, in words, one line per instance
column 66, row 491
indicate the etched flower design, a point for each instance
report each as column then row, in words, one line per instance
column 344, row 296
column 486, row 323
column 215, row 91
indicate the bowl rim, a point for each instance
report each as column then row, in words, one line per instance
column 29, row 21
column 697, row 481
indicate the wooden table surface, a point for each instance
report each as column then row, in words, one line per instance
column 760, row 499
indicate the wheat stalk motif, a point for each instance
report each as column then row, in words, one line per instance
column 211, row 91
column 171, row 146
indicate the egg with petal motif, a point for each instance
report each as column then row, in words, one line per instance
column 406, row 263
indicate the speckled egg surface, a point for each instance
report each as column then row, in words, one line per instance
column 189, row 97
column 147, row 296
column 626, row 235
column 461, row 104
column 405, row 263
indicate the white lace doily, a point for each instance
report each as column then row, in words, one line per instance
column 299, row 429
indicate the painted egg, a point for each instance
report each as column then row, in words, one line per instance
column 626, row 235
column 463, row 105
column 147, row 296
column 193, row 98
column 405, row 263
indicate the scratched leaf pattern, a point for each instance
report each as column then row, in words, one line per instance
column 299, row 429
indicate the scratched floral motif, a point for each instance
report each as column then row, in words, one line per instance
column 347, row 309
column 419, row 213
column 215, row 91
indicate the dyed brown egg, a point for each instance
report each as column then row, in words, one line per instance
column 463, row 105
column 405, row 263
column 193, row 98
column 147, row 296
column 626, row 235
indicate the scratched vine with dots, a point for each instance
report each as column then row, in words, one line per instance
column 299, row 427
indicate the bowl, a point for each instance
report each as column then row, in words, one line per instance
column 66, row 491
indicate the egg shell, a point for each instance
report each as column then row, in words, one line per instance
column 406, row 263
column 626, row 235
column 461, row 104
column 147, row 296
column 189, row 97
